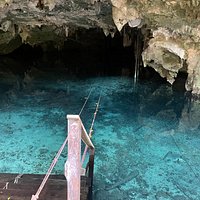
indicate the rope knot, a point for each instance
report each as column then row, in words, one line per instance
column 17, row 178
column 6, row 186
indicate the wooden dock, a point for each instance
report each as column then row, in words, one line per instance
column 55, row 188
column 76, row 182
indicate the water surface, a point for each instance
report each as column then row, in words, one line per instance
column 146, row 136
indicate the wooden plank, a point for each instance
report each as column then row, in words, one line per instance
column 55, row 189
column 9, row 176
column 85, row 137
column 4, row 177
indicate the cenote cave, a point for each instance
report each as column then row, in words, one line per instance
column 131, row 70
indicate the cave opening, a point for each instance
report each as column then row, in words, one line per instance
column 88, row 52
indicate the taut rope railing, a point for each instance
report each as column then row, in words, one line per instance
column 86, row 100
column 72, row 127
column 36, row 196
column 91, row 128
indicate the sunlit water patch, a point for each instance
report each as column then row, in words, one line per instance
column 146, row 136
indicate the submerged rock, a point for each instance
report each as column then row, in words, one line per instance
column 43, row 151
column 162, row 195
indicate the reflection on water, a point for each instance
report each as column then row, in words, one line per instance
column 146, row 137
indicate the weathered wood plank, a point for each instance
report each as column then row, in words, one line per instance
column 55, row 189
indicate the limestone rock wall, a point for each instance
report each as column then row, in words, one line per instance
column 38, row 21
column 175, row 35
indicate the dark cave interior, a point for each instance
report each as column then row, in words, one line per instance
column 86, row 53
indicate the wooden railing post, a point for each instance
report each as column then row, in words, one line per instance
column 91, row 172
column 73, row 164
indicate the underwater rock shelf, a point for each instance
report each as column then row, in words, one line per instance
column 29, row 183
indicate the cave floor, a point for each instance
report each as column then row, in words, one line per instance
column 146, row 135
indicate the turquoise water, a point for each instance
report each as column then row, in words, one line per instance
column 146, row 136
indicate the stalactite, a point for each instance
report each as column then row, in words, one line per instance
column 67, row 31
column 106, row 32
column 112, row 34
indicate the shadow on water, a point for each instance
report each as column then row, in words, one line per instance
column 146, row 138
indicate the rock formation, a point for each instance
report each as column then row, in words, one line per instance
column 171, row 28
column 175, row 35
column 38, row 21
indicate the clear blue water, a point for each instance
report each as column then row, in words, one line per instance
column 146, row 136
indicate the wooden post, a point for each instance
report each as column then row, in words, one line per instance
column 73, row 164
column 91, row 172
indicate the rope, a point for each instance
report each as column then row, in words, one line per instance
column 17, row 178
column 6, row 186
column 91, row 128
column 36, row 196
column 15, row 181
column 86, row 99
